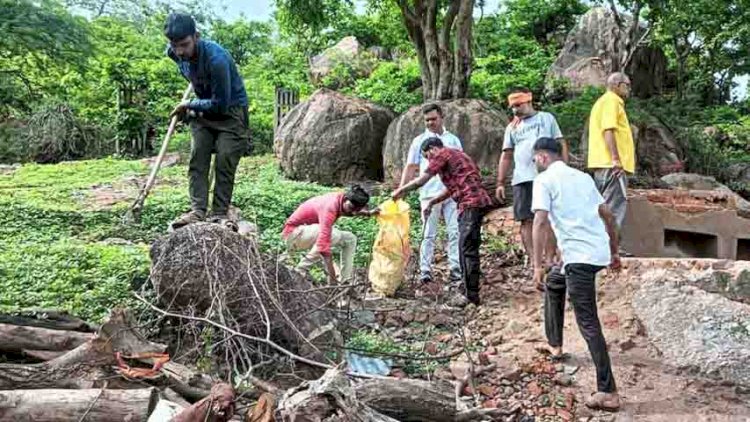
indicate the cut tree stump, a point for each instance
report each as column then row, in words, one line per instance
column 409, row 400
column 97, row 405
column 17, row 338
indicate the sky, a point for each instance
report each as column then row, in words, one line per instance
column 261, row 9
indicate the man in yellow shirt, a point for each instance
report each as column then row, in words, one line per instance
column 611, row 153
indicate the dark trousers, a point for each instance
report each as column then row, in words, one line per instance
column 579, row 281
column 228, row 138
column 469, row 240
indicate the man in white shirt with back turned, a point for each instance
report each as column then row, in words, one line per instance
column 416, row 163
column 567, row 199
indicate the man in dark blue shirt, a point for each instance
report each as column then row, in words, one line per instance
column 218, row 117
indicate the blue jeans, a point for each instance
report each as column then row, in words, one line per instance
column 449, row 210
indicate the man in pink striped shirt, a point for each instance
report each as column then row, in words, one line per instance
column 311, row 227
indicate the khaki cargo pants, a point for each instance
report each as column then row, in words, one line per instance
column 305, row 237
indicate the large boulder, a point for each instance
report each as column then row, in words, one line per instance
column 346, row 52
column 657, row 151
column 333, row 139
column 479, row 126
column 594, row 49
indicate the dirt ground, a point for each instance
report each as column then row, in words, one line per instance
column 507, row 330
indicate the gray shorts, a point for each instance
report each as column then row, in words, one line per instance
column 522, row 201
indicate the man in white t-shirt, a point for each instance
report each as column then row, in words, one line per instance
column 527, row 126
column 417, row 164
column 568, row 200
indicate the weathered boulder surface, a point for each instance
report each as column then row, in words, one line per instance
column 333, row 139
column 206, row 269
column 346, row 51
column 709, row 335
column 594, row 49
column 693, row 181
column 657, row 151
column 479, row 126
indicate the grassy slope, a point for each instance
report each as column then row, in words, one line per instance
column 53, row 243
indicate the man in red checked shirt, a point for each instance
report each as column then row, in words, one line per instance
column 311, row 227
column 463, row 183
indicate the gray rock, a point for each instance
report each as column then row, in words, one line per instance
column 478, row 125
column 333, row 139
column 596, row 47
column 693, row 181
column 694, row 329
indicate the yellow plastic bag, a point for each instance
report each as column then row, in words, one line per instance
column 390, row 253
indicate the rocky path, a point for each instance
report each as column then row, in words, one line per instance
column 655, row 381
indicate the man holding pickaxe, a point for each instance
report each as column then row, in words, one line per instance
column 218, row 117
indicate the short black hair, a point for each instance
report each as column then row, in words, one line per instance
column 179, row 26
column 430, row 143
column 549, row 145
column 427, row 108
column 518, row 89
column 357, row 196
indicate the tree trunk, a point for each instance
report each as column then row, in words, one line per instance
column 464, row 57
column 52, row 319
column 15, row 338
column 409, row 400
column 444, row 56
column 71, row 405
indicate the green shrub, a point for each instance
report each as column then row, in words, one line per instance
column 396, row 85
column 573, row 114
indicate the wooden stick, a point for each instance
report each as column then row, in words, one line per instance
column 134, row 213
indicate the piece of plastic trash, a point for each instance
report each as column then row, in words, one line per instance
column 391, row 251
column 368, row 365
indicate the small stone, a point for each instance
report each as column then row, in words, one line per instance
column 563, row 380
column 459, row 368
column 565, row 415
column 441, row 320
column 399, row 373
column 534, row 388
column 495, row 338
column 431, row 348
column 627, row 345
column 420, row 317
column 570, row 369
column 489, row 404
column 559, row 367
column 484, row 358
column 486, row 390
column 509, row 391
column 648, row 385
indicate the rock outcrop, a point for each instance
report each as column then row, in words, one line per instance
column 657, row 151
column 479, row 126
column 699, row 182
column 594, row 49
column 333, row 139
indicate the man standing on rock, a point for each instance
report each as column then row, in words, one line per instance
column 218, row 117
column 527, row 126
column 568, row 200
column 463, row 183
column 611, row 151
column 415, row 163
column 311, row 227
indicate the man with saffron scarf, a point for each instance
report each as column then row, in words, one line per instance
column 527, row 126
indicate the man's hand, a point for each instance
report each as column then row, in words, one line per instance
column 500, row 191
column 180, row 109
column 398, row 194
column 427, row 211
column 615, row 264
column 617, row 166
column 539, row 279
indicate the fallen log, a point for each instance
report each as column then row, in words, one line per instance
column 48, row 318
column 16, row 338
column 83, row 366
column 330, row 398
column 92, row 405
column 43, row 355
column 409, row 400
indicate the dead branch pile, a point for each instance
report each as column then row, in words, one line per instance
column 257, row 310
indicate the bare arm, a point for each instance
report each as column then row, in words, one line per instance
column 611, row 143
column 504, row 165
column 539, row 236
column 565, row 150
column 413, row 185
column 609, row 223
column 410, row 170
column 440, row 198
